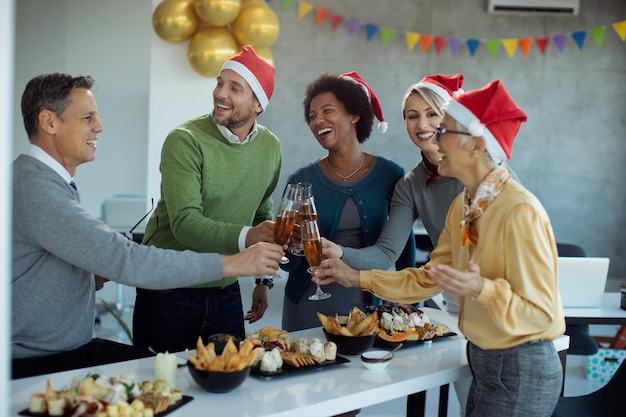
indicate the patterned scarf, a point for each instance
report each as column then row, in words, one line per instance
column 487, row 191
column 431, row 170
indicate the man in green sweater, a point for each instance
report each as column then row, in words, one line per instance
column 218, row 173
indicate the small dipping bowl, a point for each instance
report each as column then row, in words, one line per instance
column 373, row 359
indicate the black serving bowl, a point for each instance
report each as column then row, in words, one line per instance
column 218, row 382
column 351, row 345
column 219, row 341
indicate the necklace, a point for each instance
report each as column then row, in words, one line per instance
column 345, row 178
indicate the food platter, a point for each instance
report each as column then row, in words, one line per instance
column 408, row 343
column 292, row 370
column 172, row 408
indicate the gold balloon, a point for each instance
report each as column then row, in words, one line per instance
column 175, row 20
column 246, row 3
column 257, row 26
column 209, row 49
column 217, row 12
column 266, row 54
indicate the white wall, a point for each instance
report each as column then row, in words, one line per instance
column 176, row 94
column 6, row 131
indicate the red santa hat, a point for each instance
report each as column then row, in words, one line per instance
column 445, row 86
column 378, row 111
column 491, row 113
column 258, row 73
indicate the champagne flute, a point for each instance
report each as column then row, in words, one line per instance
column 284, row 223
column 306, row 210
column 313, row 251
column 286, row 218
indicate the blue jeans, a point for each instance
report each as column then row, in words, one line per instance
column 524, row 380
column 172, row 320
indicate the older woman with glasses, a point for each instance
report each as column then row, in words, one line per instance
column 497, row 253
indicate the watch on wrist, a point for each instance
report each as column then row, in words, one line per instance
column 265, row 281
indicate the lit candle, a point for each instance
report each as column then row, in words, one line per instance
column 165, row 368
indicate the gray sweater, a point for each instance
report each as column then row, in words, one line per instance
column 56, row 249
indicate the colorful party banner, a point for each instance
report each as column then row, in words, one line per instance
column 304, row 9
column 335, row 20
column 370, row 30
column 598, row 35
column 320, row 16
column 412, row 38
column 387, row 34
column 510, row 46
column 579, row 38
column 525, row 45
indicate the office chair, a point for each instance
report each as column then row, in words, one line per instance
column 581, row 342
column 605, row 402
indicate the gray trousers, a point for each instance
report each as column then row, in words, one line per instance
column 521, row 381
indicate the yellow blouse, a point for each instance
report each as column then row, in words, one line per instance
column 516, row 252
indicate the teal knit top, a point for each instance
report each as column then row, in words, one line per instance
column 211, row 189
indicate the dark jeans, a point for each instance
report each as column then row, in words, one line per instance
column 96, row 352
column 172, row 320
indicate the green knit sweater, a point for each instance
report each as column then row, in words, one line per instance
column 211, row 189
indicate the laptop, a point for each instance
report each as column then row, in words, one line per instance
column 582, row 281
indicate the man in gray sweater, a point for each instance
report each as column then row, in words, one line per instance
column 58, row 247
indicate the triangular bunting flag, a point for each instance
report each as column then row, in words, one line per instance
column 510, row 45
column 353, row 25
column 492, row 46
column 579, row 38
column 335, row 20
column 620, row 29
column 320, row 16
column 559, row 41
column 542, row 43
column 370, row 30
column 411, row 40
column 472, row 45
column 286, row 4
column 524, row 45
column 453, row 44
column 387, row 34
column 440, row 42
column 425, row 41
column 303, row 9
column 598, row 34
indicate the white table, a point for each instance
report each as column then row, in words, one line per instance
column 608, row 313
column 318, row 393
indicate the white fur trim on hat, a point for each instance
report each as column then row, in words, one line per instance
column 441, row 92
column 251, row 79
column 465, row 117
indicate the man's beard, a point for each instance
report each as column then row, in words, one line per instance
column 236, row 119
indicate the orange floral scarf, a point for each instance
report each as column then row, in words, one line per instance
column 487, row 191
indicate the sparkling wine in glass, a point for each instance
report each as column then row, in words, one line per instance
column 286, row 218
column 306, row 210
column 312, row 243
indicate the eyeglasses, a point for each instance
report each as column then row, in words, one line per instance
column 129, row 234
column 441, row 131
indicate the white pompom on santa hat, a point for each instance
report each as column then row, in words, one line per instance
column 376, row 108
column 489, row 112
column 258, row 73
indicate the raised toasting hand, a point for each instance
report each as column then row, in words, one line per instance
column 259, row 259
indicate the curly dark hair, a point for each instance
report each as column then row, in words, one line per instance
column 51, row 92
column 350, row 94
